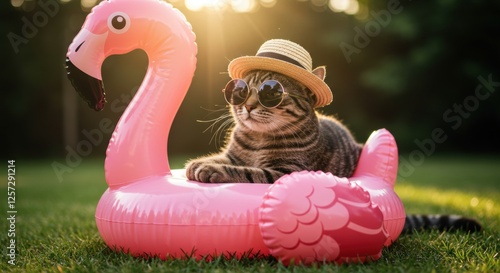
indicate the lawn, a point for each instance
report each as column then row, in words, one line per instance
column 55, row 229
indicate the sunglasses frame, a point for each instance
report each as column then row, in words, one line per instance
column 285, row 93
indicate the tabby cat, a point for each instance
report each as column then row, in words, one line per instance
column 269, row 142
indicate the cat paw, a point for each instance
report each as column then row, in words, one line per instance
column 209, row 174
column 191, row 168
column 206, row 173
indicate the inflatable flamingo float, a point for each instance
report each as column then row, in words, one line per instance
column 151, row 210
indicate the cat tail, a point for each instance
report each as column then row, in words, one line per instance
column 441, row 222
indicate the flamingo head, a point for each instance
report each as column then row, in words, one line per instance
column 114, row 27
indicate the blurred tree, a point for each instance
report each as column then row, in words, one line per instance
column 410, row 63
column 429, row 59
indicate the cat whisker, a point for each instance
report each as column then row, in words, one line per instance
column 213, row 111
column 218, row 125
column 219, row 132
column 214, row 121
column 224, row 108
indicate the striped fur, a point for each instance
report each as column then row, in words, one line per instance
column 266, row 144
column 441, row 222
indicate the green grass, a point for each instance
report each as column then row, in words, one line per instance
column 55, row 229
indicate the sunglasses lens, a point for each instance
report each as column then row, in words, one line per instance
column 271, row 93
column 236, row 92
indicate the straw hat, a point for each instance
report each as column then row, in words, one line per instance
column 287, row 58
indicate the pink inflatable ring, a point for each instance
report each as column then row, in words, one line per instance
column 150, row 210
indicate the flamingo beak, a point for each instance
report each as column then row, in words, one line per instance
column 83, row 65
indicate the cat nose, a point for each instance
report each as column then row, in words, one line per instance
column 252, row 100
column 250, row 107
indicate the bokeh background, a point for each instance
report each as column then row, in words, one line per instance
column 412, row 67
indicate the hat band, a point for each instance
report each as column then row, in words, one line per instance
column 280, row 57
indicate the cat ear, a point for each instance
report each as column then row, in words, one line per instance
column 320, row 72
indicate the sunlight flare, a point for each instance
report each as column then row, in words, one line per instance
column 197, row 5
column 88, row 4
column 243, row 5
column 347, row 6
column 16, row 3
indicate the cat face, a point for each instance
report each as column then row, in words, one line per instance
column 252, row 115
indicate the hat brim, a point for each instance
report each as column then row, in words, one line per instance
column 240, row 66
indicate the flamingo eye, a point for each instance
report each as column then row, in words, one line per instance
column 119, row 22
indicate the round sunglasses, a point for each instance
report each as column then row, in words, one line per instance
column 270, row 93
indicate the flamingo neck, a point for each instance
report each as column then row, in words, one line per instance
column 138, row 146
